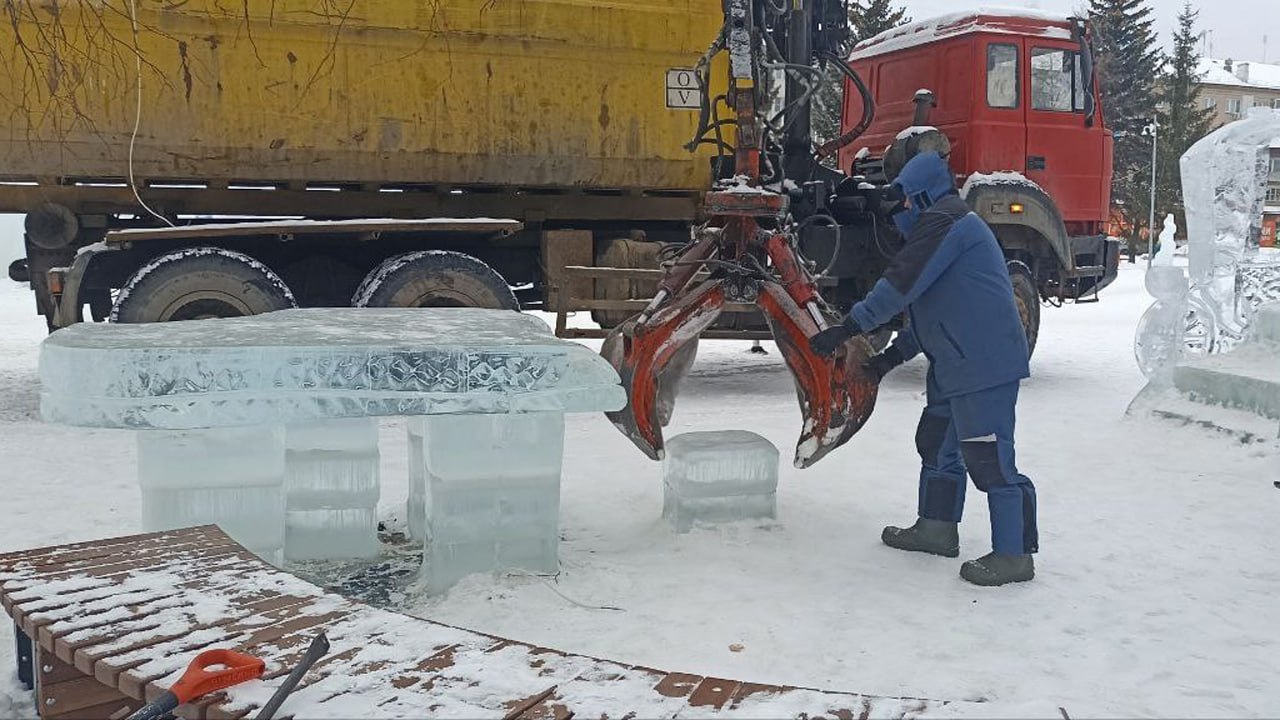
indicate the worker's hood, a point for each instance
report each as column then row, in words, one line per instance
column 924, row 180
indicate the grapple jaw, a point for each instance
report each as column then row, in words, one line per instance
column 652, row 354
column 836, row 394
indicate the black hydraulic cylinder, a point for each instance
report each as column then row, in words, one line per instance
column 797, row 145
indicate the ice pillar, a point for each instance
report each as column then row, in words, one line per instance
column 489, row 492
column 331, row 490
column 230, row 477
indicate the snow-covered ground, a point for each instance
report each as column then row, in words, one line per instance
column 1158, row 577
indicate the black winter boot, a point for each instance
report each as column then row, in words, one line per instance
column 936, row 537
column 996, row 569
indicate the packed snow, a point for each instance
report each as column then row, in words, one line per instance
column 1007, row 177
column 1242, row 73
column 983, row 19
column 1157, row 576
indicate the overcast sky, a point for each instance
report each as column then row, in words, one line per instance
column 1236, row 26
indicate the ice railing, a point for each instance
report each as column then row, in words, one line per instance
column 1208, row 309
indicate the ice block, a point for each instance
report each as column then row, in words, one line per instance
column 719, row 477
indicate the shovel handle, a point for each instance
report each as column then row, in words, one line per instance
column 319, row 646
column 199, row 680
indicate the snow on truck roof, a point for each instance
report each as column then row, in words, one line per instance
column 1014, row 21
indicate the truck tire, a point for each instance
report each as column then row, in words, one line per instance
column 1027, row 299
column 195, row 283
column 435, row 278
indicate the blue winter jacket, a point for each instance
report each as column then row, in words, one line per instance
column 951, row 278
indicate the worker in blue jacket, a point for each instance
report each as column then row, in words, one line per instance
column 950, row 277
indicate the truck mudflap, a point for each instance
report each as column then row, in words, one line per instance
column 1111, row 262
column 65, row 284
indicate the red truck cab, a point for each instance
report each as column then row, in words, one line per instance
column 1017, row 99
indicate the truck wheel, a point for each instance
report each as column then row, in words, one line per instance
column 1027, row 299
column 199, row 283
column 435, row 278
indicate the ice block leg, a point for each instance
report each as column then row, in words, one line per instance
column 719, row 477
column 231, row 477
column 417, row 504
column 492, row 494
column 331, row 490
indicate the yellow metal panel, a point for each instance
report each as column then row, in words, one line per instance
column 503, row 92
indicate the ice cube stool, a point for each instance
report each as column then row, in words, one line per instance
column 264, row 425
column 721, row 476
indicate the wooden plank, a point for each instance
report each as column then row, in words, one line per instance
column 83, row 616
column 98, row 548
column 51, row 670
column 77, row 695
column 713, row 692
column 64, row 692
column 12, row 588
column 576, row 304
column 517, row 708
column 567, row 700
column 419, row 679
column 615, row 273
column 132, row 669
column 677, row 685
column 86, row 648
column 597, row 334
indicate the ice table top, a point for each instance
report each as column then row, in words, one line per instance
column 310, row 364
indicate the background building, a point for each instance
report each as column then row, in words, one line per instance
column 1230, row 87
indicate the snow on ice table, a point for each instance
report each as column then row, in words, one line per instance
column 266, row 425
column 114, row 622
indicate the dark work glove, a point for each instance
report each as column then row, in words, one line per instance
column 880, row 365
column 826, row 342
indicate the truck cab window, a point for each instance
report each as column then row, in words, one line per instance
column 1056, row 80
column 1002, row 76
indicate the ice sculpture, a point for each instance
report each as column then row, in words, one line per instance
column 264, row 423
column 1224, row 178
column 1159, row 342
column 331, row 490
column 492, row 494
column 719, row 477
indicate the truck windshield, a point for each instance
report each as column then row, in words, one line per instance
column 1056, row 80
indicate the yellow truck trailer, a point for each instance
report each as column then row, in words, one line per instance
column 154, row 124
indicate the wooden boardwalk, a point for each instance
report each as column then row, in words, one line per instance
column 116, row 621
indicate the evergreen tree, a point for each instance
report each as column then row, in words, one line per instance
column 1128, row 62
column 875, row 18
column 864, row 22
column 1184, row 119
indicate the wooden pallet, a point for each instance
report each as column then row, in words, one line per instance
column 114, row 622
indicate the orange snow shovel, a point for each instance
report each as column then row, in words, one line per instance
column 199, row 680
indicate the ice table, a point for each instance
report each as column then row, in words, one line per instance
column 265, row 425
